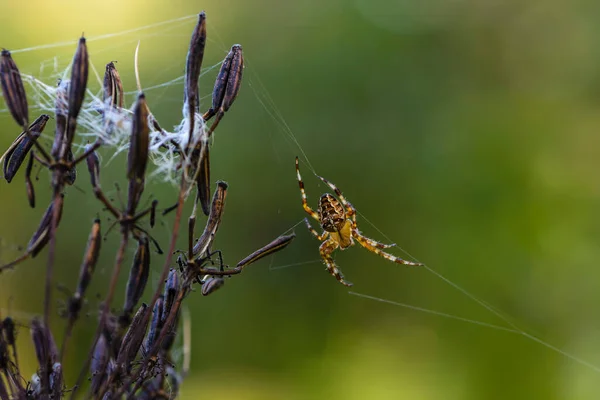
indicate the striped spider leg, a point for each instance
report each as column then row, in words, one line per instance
column 337, row 217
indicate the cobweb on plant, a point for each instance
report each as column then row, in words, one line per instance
column 113, row 127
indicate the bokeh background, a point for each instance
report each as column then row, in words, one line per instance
column 467, row 132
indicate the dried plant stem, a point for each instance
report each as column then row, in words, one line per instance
column 105, row 310
column 67, row 335
column 58, row 199
column 157, row 293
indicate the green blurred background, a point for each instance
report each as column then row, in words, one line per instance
column 466, row 131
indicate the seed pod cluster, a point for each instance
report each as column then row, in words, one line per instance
column 131, row 355
column 226, row 89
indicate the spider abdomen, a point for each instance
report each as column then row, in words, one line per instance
column 331, row 213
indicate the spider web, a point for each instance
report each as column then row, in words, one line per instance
column 164, row 88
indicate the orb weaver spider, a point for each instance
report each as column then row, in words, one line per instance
column 337, row 217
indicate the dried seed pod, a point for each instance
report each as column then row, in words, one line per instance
column 40, row 237
column 132, row 340
column 171, row 333
column 44, row 345
column 155, row 323
column 93, row 165
column 61, row 111
column 45, row 351
column 9, row 368
column 229, row 80
column 234, row 78
column 140, row 140
column 113, row 87
column 99, row 363
column 16, row 153
column 203, row 179
column 9, row 329
column 226, row 87
column 193, row 66
column 29, row 183
column 77, row 88
column 276, row 245
column 13, row 89
column 87, row 268
column 79, row 78
column 138, row 276
column 170, row 293
column 212, row 284
column 202, row 246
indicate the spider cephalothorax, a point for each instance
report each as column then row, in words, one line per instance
column 338, row 220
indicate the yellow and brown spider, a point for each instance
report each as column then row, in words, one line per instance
column 338, row 220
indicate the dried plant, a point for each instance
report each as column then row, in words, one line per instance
column 131, row 351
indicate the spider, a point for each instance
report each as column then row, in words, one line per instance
column 338, row 220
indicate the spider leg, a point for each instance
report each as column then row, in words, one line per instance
column 338, row 193
column 367, row 244
column 377, row 244
column 307, row 208
column 326, row 249
column 321, row 237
